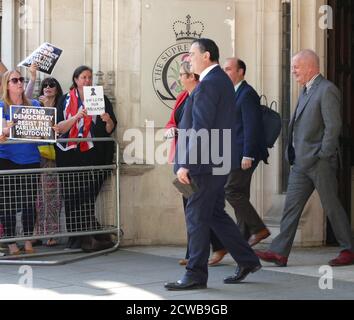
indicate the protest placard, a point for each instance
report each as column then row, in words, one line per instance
column 46, row 57
column 33, row 123
column 94, row 100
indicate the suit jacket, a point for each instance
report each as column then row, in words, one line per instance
column 210, row 106
column 172, row 122
column 248, row 133
column 179, row 100
column 316, row 125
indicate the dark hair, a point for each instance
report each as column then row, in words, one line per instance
column 208, row 45
column 241, row 65
column 44, row 84
column 77, row 73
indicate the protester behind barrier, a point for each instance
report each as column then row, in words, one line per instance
column 49, row 202
column 80, row 190
column 18, row 192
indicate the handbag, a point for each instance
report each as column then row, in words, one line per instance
column 47, row 151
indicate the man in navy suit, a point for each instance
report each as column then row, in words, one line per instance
column 250, row 148
column 209, row 110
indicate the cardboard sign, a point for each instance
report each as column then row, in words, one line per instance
column 94, row 101
column 33, row 123
column 46, row 57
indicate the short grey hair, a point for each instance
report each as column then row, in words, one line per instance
column 309, row 54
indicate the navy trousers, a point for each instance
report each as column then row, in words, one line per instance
column 205, row 210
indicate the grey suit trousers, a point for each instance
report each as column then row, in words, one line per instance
column 322, row 177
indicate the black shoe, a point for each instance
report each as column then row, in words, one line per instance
column 241, row 273
column 74, row 243
column 185, row 285
column 90, row 244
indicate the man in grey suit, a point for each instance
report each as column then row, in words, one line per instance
column 312, row 152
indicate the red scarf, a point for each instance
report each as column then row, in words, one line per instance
column 80, row 129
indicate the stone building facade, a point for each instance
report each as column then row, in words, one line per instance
column 123, row 41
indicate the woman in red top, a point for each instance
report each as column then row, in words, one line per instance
column 189, row 81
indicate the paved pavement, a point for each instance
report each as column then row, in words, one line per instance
column 138, row 273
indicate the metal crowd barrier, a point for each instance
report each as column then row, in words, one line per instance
column 91, row 194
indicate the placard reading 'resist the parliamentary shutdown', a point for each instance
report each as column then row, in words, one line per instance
column 33, row 123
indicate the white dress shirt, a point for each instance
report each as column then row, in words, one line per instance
column 206, row 71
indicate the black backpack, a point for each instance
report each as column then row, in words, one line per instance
column 271, row 122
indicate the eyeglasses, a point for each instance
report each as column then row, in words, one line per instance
column 49, row 84
column 16, row 80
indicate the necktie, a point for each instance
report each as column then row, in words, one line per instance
column 305, row 90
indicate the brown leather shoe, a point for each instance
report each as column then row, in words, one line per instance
column 273, row 257
column 183, row 262
column 259, row 236
column 345, row 258
column 217, row 257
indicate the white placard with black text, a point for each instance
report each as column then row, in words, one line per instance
column 94, row 100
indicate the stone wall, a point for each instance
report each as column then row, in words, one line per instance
column 107, row 35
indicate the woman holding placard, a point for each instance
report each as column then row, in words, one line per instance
column 48, row 200
column 17, row 192
column 80, row 190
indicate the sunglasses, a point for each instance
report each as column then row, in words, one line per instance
column 49, row 84
column 16, row 80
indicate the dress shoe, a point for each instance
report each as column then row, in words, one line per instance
column 183, row 262
column 259, row 236
column 241, row 273
column 185, row 285
column 217, row 257
column 273, row 257
column 345, row 258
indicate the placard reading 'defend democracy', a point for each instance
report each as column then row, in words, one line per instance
column 46, row 56
column 94, row 100
column 33, row 123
